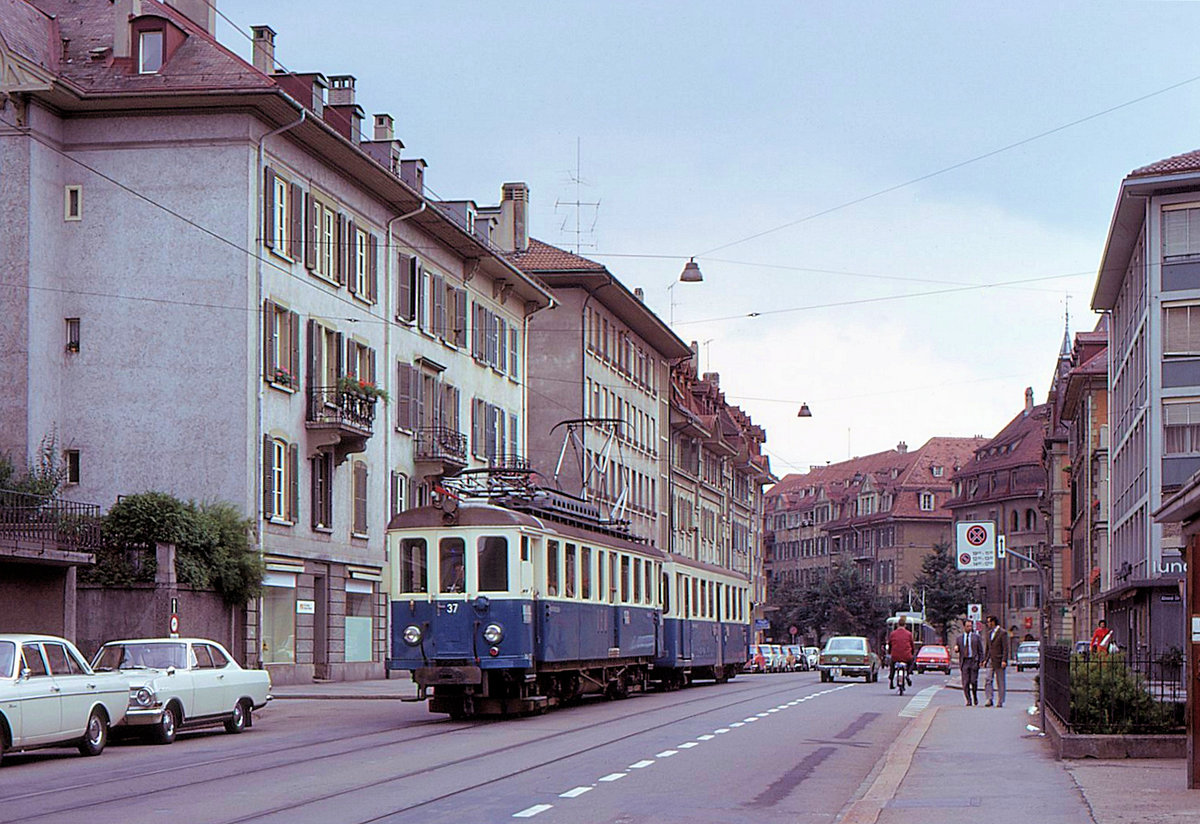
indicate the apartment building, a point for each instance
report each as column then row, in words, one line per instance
column 220, row 289
column 1148, row 285
column 883, row 513
column 1005, row 482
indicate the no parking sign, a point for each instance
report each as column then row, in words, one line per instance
column 976, row 546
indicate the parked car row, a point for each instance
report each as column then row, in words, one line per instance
column 51, row 696
column 779, row 658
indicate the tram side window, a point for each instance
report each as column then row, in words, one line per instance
column 625, row 579
column 717, row 603
column 695, row 597
column 524, row 547
column 612, row 577
column 649, row 583
column 637, row 580
column 552, row 549
column 452, row 564
column 414, row 573
column 712, row 612
column 585, row 573
column 493, row 563
column 600, row 575
column 569, row 569
column 665, row 594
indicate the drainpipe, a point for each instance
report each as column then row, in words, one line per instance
column 258, row 277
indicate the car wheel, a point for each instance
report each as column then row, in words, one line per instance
column 236, row 722
column 168, row 725
column 95, row 735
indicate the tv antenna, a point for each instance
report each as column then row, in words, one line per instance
column 579, row 204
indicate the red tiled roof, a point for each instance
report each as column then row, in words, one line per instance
column 542, row 257
column 29, row 33
column 1188, row 162
column 199, row 64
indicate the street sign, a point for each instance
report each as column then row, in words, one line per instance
column 174, row 625
column 762, row 623
column 976, row 546
column 1001, row 547
column 975, row 612
column 794, row 631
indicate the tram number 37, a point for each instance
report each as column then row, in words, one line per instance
column 451, row 608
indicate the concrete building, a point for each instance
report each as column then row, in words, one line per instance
column 210, row 275
column 1005, row 482
column 1148, row 285
column 1084, row 409
column 882, row 512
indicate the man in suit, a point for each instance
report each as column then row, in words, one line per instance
column 995, row 661
column 970, row 652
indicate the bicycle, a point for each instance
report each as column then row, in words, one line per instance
column 901, row 673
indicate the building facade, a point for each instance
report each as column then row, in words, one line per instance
column 251, row 301
column 1148, row 285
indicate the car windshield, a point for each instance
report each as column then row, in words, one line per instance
column 846, row 645
column 1028, row 646
column 8, row 655
column 141, row 656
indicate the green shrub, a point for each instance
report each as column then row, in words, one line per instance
column 1109, row 698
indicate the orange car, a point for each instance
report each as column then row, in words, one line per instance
column 933, row 657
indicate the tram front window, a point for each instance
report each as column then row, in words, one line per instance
column 451, row 565
column 493, row 563
column 414, row 572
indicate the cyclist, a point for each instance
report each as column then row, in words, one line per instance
column 900, row 647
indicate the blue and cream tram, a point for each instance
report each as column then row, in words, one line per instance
column 512, row 608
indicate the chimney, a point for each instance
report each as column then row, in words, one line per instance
column 1028, row 399
column 201, row 12
column 412, row 172
column 341, row 90
column 902, row 447
column 123, row 12
column 384, row 127
column 714, row 378
column 514, row 207
column 639, row 294
column 264, row 48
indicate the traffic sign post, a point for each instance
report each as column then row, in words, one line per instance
column 975, row 549
column 975, row 612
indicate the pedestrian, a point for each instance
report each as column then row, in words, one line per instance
column 900, row 648
column 1101, row 638
column 995, row 661
column 970, row 651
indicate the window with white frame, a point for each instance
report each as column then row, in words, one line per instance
column 926, row 501
column 73, row 203
column 1181, row 329
column 150, row 51
column 1181, row 427
column 281, row 346
column 1180, row 231
column 322, row 492
column 325, row 228
column 280, row 491
column 283, row 207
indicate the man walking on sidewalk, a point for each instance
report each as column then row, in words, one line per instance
column 995, row 661
column 970, row 651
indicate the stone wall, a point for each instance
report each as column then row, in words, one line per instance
column 143, row 611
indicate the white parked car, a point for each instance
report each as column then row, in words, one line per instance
column 50, row 697
column 176, row 683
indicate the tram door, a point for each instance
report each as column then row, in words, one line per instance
column 453, row 618
column 685, row 601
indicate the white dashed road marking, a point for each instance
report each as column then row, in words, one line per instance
column 667, row 753
column 532, row 811
column 575, row 793
column 614, row 776
column 641, row 765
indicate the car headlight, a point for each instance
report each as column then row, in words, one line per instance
column 493, row 633
column 412, row 635
column 141, row 697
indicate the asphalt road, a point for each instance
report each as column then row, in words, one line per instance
column 763, row 748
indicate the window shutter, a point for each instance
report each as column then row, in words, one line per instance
column 312, row 230
column 351, row 250
column 268, row 464
column 373, row 268
column 419, row 399
column 269, row 207
column 341, row 366
column 268, row 323
column 339, row 252
column 460, row 314
column 294, row 360
column 293, row 473
column 313, row 364
column 371, row 364
column 512, row 353
column 501, row 344
column 315, row 497
column 404, row 286
column 360, row 497
column 352, row 361
column 476, row 426
column 295, row 220
column 403, row 397
column 514, row 448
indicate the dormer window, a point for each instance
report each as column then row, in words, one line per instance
column 150, row 51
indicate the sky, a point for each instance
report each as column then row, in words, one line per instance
column 895, row 205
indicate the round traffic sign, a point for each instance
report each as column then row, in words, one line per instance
column 977, row 536
column 964, row 559
column 174, row 623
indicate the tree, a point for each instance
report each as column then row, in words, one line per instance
column 946, row 591
column 43, row 476
column 841, row 603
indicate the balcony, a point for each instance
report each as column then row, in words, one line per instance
column 48, row 530
column 441, row 451
column 338, row 421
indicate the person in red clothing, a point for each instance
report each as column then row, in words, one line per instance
column 900, row 648
column 1101, row 638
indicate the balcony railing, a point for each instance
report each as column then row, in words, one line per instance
column 49, row 522
column 329, row 405
column 439, row 443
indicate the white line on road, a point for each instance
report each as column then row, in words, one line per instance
column 532, row 811
column 724, row 730
column 736, row 724
column 614, row 776
column 575, row 793
column 705, row 737
column 688, row 745
column 667, row 753
column 641, row 765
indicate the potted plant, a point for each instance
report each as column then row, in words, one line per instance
column 283, row 377
column 351, row 385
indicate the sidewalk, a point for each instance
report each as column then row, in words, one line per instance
column 394, row 689
column 983, row 765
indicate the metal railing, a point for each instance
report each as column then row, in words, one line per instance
column 1115, row 693
column 331, row 405
column 439, row 443
column 49, row 522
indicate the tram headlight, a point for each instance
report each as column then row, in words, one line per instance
column 493, row 633
column 412, row 635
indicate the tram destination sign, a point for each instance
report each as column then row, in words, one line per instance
column 975, row 548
